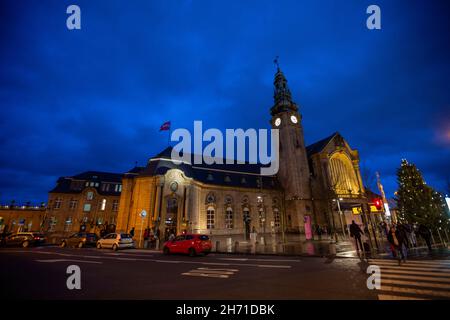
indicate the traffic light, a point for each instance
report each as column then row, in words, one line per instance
column 378, row 204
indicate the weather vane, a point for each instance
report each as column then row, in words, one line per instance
column 276, row 62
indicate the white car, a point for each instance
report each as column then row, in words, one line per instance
column 116, row 241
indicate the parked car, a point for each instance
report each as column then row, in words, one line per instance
column 80, row 240
column 116, row 241
column 192, row 244
column 24, row 239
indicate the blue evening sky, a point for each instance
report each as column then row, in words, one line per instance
column 93, row 99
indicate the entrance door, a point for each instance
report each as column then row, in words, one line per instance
column 171, row 217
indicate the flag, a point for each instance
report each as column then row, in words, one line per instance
column 165, row 126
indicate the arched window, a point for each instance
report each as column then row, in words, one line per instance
column 262, row 219
column 210, row 213
column 343, row 176
column 276, row 217
column 229, row 218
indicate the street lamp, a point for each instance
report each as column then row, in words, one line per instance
column 338, row 201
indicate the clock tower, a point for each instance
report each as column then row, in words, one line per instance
column 293, row 172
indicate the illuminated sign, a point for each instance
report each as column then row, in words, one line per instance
column 387, row 212
column 373, row 209
column 447, row 199
column 356, row 210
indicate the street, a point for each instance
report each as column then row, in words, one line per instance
column 40, row 273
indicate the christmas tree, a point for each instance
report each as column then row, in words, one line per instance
column 416, row 201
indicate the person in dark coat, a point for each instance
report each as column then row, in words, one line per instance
column 425, row 233
column 356, row 232
column 396, row 240
column 132, row 232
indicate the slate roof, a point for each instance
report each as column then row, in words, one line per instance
column 319, row 145
column 65, row 184
column 245, row 175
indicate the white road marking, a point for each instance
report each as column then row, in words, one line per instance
column 67, row 260
column 433, row 262
column 232, row 270
column 167, row 261
column 391, row 297
column 273, row 266
column 403, row 267
column 416, row 284
column 413, row 279
column 416, row 291
column 423, row 278
column 211, row 273
column 262, row 260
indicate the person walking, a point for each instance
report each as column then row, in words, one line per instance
column 425, row 233
column 396, row 244
column 356, row 232
column 132, row 232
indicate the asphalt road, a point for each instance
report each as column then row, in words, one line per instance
column 40, row 273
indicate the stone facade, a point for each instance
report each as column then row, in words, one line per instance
column 21, row 218
column 88, row 201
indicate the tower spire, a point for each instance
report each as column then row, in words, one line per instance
column 282, row 95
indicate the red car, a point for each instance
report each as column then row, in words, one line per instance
column 193, row 244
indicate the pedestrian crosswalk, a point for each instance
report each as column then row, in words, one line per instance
column 211, row 273
column 413, row 280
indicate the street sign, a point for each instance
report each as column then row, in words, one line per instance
column 143, row 214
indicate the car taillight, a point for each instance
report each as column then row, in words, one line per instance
column 37, row 238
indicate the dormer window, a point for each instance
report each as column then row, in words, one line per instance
column 243, row 180
column 227, row 179
column 210, row 177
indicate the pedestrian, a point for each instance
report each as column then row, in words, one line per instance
column 425, row 233
column 356, row 232
column 410, row 234
column 394, row 238
column 171, row 237
column 132, row 232
column 403, row 234
column 319, row 231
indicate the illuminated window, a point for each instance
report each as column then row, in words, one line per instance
column 276, row 217
column 210, row 212
column 87, row 207
column 229, row 218
column 58, row 203
column 115, row 205
column 90, row 195
column 103, row 205
column 72, row 204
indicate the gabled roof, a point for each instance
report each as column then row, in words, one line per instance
column 319, row 145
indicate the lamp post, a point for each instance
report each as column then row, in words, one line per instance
column 340, row 215
column 143, row 214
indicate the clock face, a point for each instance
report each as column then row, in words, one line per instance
column 294, row 119
column 277, row 122
column 174, row 186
